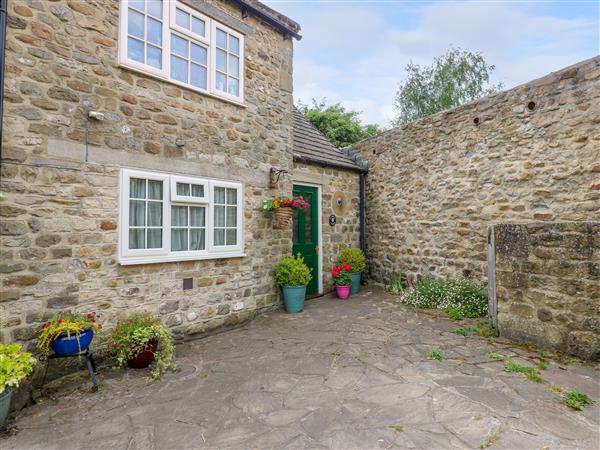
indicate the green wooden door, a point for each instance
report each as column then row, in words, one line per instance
column 306, row 234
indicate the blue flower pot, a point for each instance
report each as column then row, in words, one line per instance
column 293, row 298
column 65, row 346
column 355, row 286
column 5, row 405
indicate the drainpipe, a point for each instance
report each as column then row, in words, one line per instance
column 361, row 209
column 3, row 13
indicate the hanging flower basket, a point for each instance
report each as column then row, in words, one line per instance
column 283, row 210
column 282, row 218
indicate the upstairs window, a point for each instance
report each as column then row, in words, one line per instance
column 173, row 218
column 170, row 40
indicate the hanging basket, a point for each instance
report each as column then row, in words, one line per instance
column 282, row 218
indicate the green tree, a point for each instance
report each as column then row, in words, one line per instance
column 455, row 78
column 341, row 126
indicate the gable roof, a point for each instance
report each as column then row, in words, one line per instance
column 311, row 146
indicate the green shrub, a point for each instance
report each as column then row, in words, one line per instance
column 292, row 271
column 459, row 297
column 15, row 365
column 353, row 256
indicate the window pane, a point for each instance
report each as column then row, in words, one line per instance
column 137, row 188
column 199, row 54
column 197, row 190
column 231, row 237
column 231, row 216
column 135, row 24
column 234, row 87
column 179, row 69
column 179, row 46
column 198, row 26
column 155, row 238
column 155, row 8
column 220, row 195
column 221, row 82
column 198, row 76
column 234, row 45
column 179, row 239
column 135, row 50
column 154, row 31
column 221, row 60
column 197, row 240
column 155, row 214
column 138, row 4
column 155, row 191
column 219, row 216
column 183, row 189
column 232, row 196
column 220, row 237
column 154, row 56
column 136, row 238
column 221, row 39
column 234, row 66
column 182, row 19
column 137, row 213
column 308, row 221
column 196, row 217
column 179, row 216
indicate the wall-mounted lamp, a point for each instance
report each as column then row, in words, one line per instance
column 96, row 115
column 179, row 142
column 274, row 175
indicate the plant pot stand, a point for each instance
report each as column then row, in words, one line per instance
column 89, row 362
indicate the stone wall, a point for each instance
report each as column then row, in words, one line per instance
column 528, row 154
column 548, row 285
column 346, row 231
column 59, row 209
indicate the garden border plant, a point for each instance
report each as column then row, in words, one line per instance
column 15, row 366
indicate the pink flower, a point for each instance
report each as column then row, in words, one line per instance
column 347, row 267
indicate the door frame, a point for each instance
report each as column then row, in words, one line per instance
column 319, row 230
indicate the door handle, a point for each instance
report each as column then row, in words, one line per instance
column 317, row 249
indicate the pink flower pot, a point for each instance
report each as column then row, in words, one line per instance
column 343, row 292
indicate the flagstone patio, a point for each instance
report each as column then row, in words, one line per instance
column 351, row 374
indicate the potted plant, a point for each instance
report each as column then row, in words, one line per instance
column 67, row 335
column 342, row 281
column 140, row 341
column 293, row 275
column 283, row 210
column 356, row 259
column 15, row 365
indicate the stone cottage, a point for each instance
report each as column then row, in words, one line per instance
column 139, row 141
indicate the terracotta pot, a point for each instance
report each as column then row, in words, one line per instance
column 145, row 358
column 282, row 218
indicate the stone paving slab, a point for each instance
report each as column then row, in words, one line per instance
column 345, row 375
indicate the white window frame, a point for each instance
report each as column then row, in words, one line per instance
column 164, row 254
column 188, row 199
column 169, row 26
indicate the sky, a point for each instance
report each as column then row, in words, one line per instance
column 355, row 51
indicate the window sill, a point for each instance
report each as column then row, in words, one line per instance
column 138, row 260
column 182, row 85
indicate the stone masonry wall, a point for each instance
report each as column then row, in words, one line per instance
column 59, row 211
column 528, row 154
column 346, row 232
column 548, row 285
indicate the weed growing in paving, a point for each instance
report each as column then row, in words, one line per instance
column 435, row 353
column 396, row 285
column 529, row 371
column 497, row 356
column 460, row 298
column 576, row 400
column 397, row 428
column 463, row 331
column 484, row 329
column 542, row 365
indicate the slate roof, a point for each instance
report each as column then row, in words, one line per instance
column 277, row 19
column 311, row 146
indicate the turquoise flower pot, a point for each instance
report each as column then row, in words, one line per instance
column 5, row 405
column 355, row 286
column 293, row 298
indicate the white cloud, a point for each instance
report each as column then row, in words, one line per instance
column 355, row 53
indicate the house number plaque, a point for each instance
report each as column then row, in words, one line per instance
column 332, row 220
